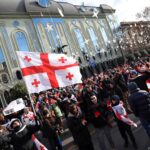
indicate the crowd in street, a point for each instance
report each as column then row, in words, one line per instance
column 101, row 99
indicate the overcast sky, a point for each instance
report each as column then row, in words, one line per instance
column 125, row 9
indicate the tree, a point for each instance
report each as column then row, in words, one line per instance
column 130, row 57
column 145, row 14
column 144, row 53
column 18, row 91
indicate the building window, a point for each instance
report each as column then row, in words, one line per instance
column 112, row 22
column 8, row 46
column 2, row 105
column 104, row 32
column 56, row 37
column 3, row 66
column 21, row 41
column 81, row 40
column 62, row 33
column 43, row 37
column 94, row 39
column 44, row 3
column 50, row 37
column 5, row 78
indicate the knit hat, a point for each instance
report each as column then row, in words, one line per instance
column 115, row 97
column 132, row 86
column 133, row 72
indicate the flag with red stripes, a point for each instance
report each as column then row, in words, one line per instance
column 38, row 144
column 42, row 71
column 121, row 114
column 148, row 84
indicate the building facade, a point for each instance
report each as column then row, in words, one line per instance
column 86, row 33
column 135, row 36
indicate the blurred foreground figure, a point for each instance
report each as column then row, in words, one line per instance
column 139, row 101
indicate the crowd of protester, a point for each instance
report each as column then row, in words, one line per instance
column 98, row 101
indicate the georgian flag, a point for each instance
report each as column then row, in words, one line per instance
column 121, row 114
column 148, row 84
column 42, row 71
column 38, row 144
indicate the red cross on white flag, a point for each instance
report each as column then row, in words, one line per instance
column 42, row 71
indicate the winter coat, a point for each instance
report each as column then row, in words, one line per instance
column 98, row 115
column 86, row 99
column 116, row 91
column 4, row 144
column 50, row 132
column 139, row 101
column 120, row 81
column 141, row 81
column 80, row 132
column 22, row 139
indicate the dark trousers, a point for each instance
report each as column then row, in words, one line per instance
column 125, row 130
column 86, row 147
column 146, row 126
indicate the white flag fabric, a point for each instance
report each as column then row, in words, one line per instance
column 121, row 114
column 38, row 144
column 148, row 84
column 42, row 71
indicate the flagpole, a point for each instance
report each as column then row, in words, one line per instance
column 32, row 106
column 33, row 109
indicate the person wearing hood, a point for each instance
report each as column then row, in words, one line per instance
column 139, row 101
column 21, row 136
column 78, row 127
column 124, row 123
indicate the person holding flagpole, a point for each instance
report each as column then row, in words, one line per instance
column 124, row 123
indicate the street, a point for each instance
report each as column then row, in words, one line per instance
column 142, row 139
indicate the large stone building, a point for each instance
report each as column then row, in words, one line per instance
column 45, row 26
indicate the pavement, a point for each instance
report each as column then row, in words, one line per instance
column 141, row 138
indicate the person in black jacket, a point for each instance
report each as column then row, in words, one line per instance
column 98, row 115
column 140, row 80
column 139, row 101
column 78, row 127
column 124, row 127
column 51, row 131
column 21, row 136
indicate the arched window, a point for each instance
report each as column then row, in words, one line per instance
column 112, row 22
column 2, row 104
column 7, row 45
column 63, row 34
column 43, row 37
column 80, row 39
column 3, row 65
column 55, row 35
column 52, row 40
column 94, row 39
column 104, row 32
column 7, row 97
column 21, row 41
